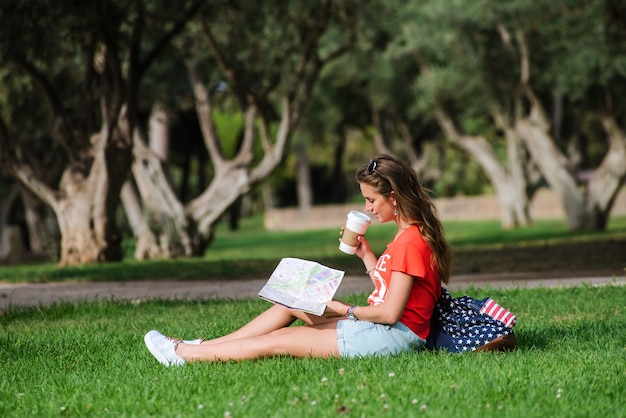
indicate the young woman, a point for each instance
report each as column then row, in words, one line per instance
column 407, row 281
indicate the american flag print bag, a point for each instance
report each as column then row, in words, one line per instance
column 466, row 324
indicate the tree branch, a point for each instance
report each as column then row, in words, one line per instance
column 134, row 70
column 244, row 156
column 379, row 136
column 89, row 72
column 205, row 116
column 167, row 38
column 520, row 37
column 112, row 81
column 7, row 160
column 230, row 72
column 11, row 164
column 311, row 64
column 61, row 125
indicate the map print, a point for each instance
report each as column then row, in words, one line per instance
column 302, row 284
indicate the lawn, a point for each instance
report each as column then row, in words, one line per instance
column 89, row 360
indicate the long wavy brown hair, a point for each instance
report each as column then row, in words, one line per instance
column 387, row 174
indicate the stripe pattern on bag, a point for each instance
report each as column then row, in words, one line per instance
column 494, row 310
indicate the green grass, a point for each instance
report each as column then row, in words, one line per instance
column 252, row 251
column 89, row 360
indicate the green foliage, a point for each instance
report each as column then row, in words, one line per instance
column 90, row 360
column 252, row 251
column 462, row 176
column 407, row 58
column 229, row 128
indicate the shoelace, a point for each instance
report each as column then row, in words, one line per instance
column 174, row 341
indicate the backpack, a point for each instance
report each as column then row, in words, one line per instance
column 466, row 324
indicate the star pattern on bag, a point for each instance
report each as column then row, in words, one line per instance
column 468, row 324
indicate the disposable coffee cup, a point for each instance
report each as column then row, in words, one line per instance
column 356, row 224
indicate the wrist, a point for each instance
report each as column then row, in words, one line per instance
column 350, row 313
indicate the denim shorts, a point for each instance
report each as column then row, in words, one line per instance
column 363, row 338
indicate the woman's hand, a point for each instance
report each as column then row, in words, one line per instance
column 363, row 249
column 335, row 308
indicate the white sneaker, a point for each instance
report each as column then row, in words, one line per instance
column 163, row 348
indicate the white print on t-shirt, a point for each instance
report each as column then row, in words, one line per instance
column 380, row 293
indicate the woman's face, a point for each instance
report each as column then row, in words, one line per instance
column 380, row 207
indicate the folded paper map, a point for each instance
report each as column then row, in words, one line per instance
column 302, row 284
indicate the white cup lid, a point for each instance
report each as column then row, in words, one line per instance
column 359, row 217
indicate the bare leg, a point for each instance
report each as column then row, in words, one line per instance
column 275, row 318
column 318, row 340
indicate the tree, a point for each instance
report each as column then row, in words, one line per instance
column 272, row 85
column 361, row 104
column 453, row 85
column 587, row 67
column 108, row 46
column 492, row 70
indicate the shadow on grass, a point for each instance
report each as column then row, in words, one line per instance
column 582, row 334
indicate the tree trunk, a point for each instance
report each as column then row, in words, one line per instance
column 383, row 125
column 11, row 245
column 163, row 214
column 87, row 206
column 193, row 225
column 303, row 178
column 510, row 189
column 606, row 182
column 80, row 243
column 11, row 242
column 160, row 225
column 524, row 175
column 159, row 137
column 86, row 201
column 338, row 181
column 146, row 246
column 267, row 197
column 514, row 203
column 585, row 208
column 43, row 230
column 551, row 163
column 113, row 62
column 225, row 188
column 6, row 204
column 420, row 162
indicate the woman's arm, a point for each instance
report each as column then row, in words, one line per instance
column 388, row 312
column 365, row 253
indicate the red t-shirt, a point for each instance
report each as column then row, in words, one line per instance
column 409, row 254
